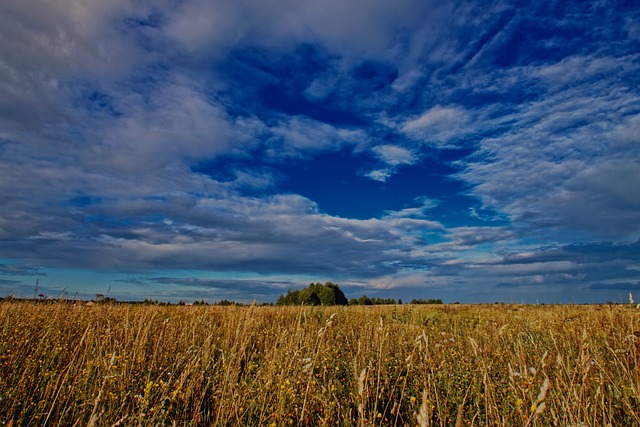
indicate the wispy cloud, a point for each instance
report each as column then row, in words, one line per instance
column 623, row 286
column 162, row 136
column 20, row 270
column 438, row 125
column 302, row 136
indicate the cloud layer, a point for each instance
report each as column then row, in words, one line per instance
column 467, row 150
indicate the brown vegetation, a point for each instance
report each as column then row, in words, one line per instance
column 106, row 365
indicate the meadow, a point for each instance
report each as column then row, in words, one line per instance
column 73, row 364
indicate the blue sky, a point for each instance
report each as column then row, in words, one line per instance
column 209, row 149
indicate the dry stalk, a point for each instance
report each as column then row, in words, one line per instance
column 94, row 417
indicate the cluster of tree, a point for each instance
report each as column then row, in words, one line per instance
column 314, row 294
column 331, row 294
column 223, row 302
column 365, row 300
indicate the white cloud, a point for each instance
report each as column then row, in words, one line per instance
column 394, row 155
column 528, row 269
column 305, row 135
column 176, row 125
column 558, row 142
column 438, row 124
column 578, row 68
column 407, row 280
column 204, row 28
column 253, row 179
column 542, row 171
column 282, row 234
column 49, row 49
column 425, row 204
column 380, row 175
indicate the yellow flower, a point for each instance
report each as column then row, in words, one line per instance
column 519, row 402
column 412, row 399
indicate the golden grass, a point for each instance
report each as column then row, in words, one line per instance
column 65, row 364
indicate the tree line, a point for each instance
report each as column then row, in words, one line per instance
column 314, row 294
column 331, row 294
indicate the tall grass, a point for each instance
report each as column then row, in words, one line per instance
column 66, row 364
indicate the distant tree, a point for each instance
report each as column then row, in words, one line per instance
column 364, row 300
column 314, row 294
column 291, row 298
column 308, row 296
column 330, row 294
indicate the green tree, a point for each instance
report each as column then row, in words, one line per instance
column 364, row 300
column 308, row 296
column 331, row 294
column 315, row 294
column 291, row 298
column 429, row 301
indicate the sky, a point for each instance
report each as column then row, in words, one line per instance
column 472, row 151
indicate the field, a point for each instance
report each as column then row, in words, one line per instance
column 71, row 364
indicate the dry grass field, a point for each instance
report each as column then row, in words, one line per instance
column 66, row 364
